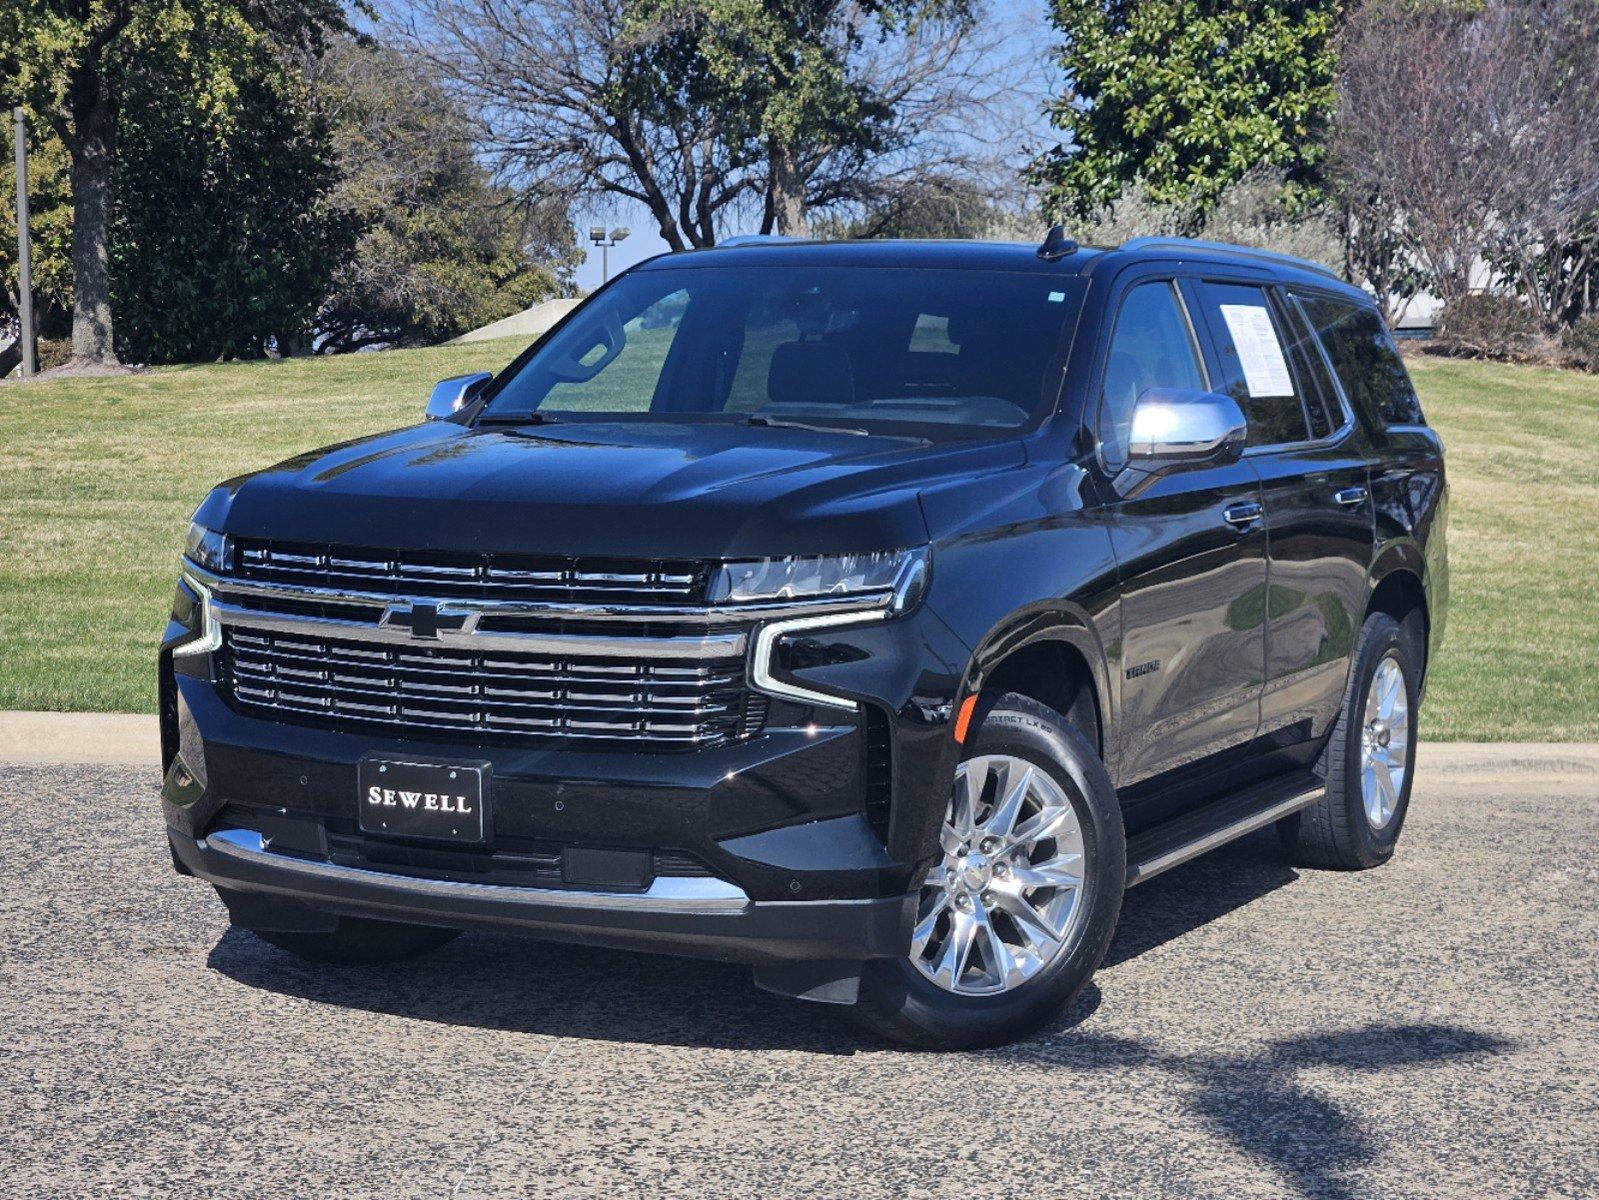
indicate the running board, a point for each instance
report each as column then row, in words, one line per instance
column 1192, row 834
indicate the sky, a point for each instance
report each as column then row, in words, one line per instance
column 644, row 240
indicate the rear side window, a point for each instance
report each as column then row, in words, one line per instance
column 1254, row 364
column 1365, row 359
column 1322, row 404
column 1150, row 348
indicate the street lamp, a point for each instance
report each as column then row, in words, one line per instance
column 605, row 241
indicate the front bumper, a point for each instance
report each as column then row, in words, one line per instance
column 705, row 918
column 807, row 855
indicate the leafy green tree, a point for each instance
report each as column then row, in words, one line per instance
column 442, row 249
column 224, row 240
column 69, row 60
column 50, row 223
column 791, row 72
column 1189, row 96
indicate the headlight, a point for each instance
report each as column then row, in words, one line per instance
column 207, row 548
column 901, row 573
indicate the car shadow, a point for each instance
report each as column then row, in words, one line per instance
column 1255, row 1100
column 1257, row 1103
column 502, row 982
column 1198, row 892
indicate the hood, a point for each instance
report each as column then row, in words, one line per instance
column 623, row 489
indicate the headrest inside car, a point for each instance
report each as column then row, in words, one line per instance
column 810, row 373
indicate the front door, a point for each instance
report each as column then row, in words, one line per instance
column 1191, row 553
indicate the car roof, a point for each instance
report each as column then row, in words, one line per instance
column 998, row 256
column 884, row 252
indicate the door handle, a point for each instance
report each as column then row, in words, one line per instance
column 1350, row 497
column 1242, row 516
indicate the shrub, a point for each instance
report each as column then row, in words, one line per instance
column 1489, row 326
column 1580, row 344
column 53, row 352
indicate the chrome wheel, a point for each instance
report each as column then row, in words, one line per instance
column 1385, row 742
column 1007, row 897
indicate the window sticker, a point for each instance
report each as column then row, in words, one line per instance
column 1259, row 353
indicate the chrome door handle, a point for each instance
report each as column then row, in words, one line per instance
column 1351, row 496
column 1242, row 516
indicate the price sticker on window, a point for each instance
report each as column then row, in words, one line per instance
column 1259, row 353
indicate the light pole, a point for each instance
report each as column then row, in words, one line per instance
column 598, row 236
column 24, row 250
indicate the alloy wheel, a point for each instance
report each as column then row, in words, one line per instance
column 1385, row 743
column 1007, row 896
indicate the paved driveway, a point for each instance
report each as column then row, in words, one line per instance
column 1430, row 1029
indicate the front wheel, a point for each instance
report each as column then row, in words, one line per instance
column 1020, row 908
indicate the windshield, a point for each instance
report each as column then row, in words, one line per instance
column 930, row 352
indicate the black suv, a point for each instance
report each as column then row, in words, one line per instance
column 874, row 613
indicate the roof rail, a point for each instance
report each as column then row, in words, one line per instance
column 756, row 239
column 1182, row 243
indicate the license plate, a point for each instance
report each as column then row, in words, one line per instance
column 446, row 802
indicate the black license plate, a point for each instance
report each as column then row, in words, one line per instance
column 447, row 802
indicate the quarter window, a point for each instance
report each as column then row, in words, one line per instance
column 1254, row 367
column 1150, row 348
column 1367, row 363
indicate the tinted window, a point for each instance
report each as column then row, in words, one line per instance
column 1151, row 347
column 934, row 352
column 1365, row 359
column 1310, row 373
column 1254, row 365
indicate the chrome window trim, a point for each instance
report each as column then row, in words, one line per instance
column 671, row 894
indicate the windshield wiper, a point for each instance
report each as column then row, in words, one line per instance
column 528, row 418
column 779, row 423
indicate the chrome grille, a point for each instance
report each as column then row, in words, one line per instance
column 645, row 704
column 444, row 574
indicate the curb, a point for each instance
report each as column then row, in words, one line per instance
column 42, row 738
column 133, row 739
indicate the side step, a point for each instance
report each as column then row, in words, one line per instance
column 1192, row 834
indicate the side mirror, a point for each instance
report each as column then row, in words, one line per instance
column 1174, row 428
column 450, row 395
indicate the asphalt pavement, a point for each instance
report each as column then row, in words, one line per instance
column 1429, row 1029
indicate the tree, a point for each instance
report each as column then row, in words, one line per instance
column 1188, row 96
column 442, row 248
column 68, row 60
column 50, row 222
column 225, row 237
column 708, row 110
column 1468, row 136
column 805, row 78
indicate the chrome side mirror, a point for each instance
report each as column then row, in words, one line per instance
column 450, row 395
column 1174, row 428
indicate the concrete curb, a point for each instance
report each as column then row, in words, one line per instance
column 129, row 739
column 132, row 739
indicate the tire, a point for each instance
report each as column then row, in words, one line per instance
column 900, row 1000
column 359, row 941
column 1340, row 831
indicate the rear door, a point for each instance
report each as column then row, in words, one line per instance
column 1313, row 460
column 1191, row 551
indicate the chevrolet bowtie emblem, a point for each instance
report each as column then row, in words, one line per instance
column 426, row 621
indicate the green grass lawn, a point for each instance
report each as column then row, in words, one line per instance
column 98, row 477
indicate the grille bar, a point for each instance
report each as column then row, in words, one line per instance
column 642, row 702
column 474, row 576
